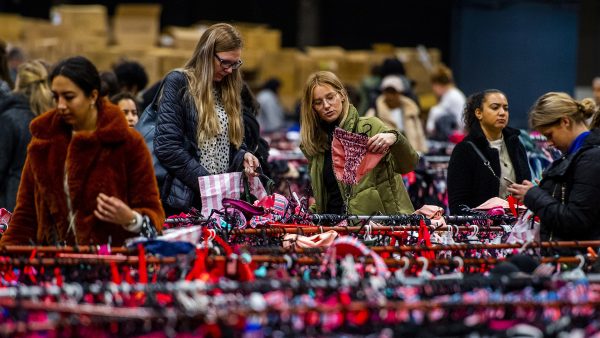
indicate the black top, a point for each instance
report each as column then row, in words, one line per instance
column 335, row 202
column 175, row 141
column 566, row 200
column 470, row 182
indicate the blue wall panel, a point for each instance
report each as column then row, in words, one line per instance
column 524, row 49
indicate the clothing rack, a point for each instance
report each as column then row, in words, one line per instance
column 441, row 247
column 311, row 229
column 24, row 249
column 409, row 219
column 13, row 297
column 399, row 219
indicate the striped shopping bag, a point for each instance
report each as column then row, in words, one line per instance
column 213, row 188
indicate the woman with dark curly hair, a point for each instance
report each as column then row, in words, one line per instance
column 490, row 153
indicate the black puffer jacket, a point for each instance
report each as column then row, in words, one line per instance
column 470, row 182
column 175, row 141
column 15, row 117
column 566, row 200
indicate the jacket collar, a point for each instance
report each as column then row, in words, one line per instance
column 351, row 121
column 111, row 125
column 48, row 154
column 560, row 166
column 477, row 136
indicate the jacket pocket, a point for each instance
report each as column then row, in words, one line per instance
column 176, row 194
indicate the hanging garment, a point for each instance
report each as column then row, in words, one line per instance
column 351, row 160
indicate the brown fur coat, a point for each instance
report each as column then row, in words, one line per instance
column 113, row 160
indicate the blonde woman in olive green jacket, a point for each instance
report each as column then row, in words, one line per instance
column 325, row 106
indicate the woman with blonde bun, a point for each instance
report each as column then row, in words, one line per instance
column 566, row 199
column 31, row 97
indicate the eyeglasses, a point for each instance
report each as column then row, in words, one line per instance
column 329, row 98
column 226, row 64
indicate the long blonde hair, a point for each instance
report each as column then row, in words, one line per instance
column 313, row 138
column 553, row 106
column 200, row 71
column 32, row 81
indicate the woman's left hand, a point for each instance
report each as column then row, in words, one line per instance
column 520, row 190
column 250, row 164
column 381, row 142
column 113, row 210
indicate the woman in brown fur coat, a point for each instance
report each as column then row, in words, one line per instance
column 88, row 177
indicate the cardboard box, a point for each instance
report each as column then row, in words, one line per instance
column 252, row 59
column 354, row 67
column 107, row 58
column 281, row 65
column 185, row 38
column 11, row 29
column 418, row 64
column 137, row 25
column 268, row 40
column 81, row 19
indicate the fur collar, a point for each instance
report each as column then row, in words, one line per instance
column 111, row 125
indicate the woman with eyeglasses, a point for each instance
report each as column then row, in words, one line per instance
column 342, row 184
column 199, row 130
column 566, row 200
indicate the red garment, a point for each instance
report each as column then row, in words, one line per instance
column 113, row 160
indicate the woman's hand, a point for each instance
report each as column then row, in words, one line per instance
column 250, row 164
column 519, row 190
column 381, row 142
column 113, row 210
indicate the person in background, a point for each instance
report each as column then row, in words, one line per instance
column 131, row 76
column 445, row 117
column 399, row 112
column 595, row 121
column 596, row 90
column 109, row 86
column 200, row 130
column 325, row 107
column 31, row 97
column 370, row 87
column 566, row 199
column 252, row 139
column 15, row 58
column 128, row 106
column 88, row 177
column 271, row 115
column 6, row 82
column 472, row 179
column 368, row 90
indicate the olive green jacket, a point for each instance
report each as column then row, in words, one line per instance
column 382, row 189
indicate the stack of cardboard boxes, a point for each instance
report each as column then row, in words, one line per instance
column 85, row 30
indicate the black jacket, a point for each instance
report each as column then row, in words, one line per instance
column 15, row 117
column 175, row 141
column 470, row 182
column 566, row 200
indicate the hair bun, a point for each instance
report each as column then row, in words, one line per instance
column 587, row 107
